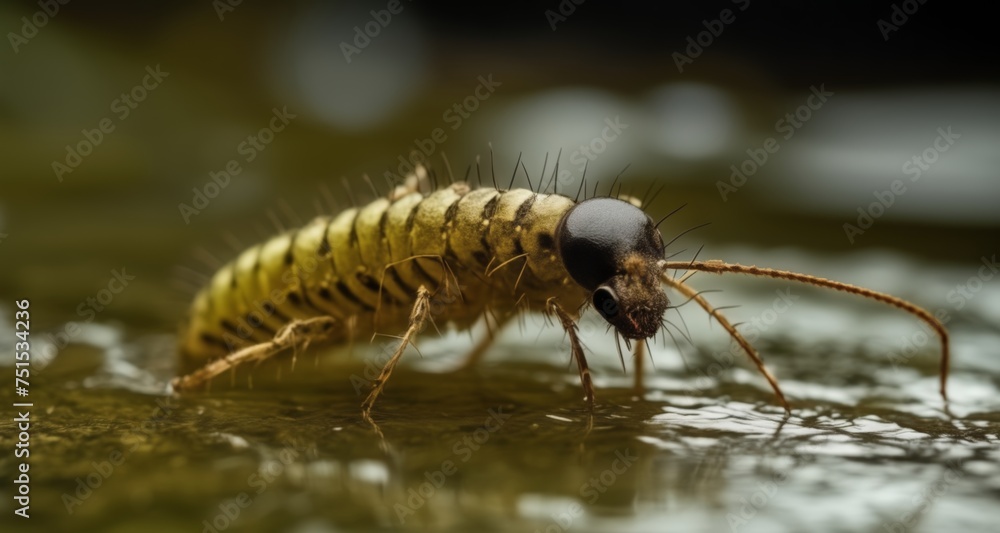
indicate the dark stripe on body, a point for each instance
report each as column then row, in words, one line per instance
column 352, row 238
column 289, row 255
column 524, row 209
column 402, row 284
column 343, row 289
column 489, row 210
column 212, row 340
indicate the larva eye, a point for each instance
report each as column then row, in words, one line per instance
column 606, row 302
column 596, row 235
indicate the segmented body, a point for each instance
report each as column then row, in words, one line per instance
column 474, row 249
column 451, row 256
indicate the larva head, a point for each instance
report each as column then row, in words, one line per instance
column 612, row 248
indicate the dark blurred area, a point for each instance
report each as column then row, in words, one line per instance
column 700, row 89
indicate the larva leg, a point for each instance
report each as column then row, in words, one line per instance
column 418, row 317
column 689, row 292
column 719, row 267
column 296, row 335
column 569, row 325
column 444, row 283
column 639, row 355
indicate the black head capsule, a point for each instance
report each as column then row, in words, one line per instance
column 612, row 248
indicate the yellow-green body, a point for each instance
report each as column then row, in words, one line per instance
column 473, row 249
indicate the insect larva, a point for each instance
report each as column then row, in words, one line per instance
column 456, row 253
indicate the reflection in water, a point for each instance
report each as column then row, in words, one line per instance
column 867, row 446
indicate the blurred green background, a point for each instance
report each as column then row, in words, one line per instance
column 114, row 117
column 357, row 112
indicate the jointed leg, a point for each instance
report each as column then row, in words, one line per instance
column 418, row 317
column 577, row 348
column 719, row 267
column 639, row 355
column 297, row 335
column 689, row 292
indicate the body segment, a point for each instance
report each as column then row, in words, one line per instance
column 364, row 266
column 452, row 256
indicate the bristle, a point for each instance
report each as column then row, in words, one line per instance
column 447, row 166
column 347, row 189
column 388, row 245
column 514, row 174
column 293, row 217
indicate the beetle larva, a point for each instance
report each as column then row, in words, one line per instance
column 376, row 268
